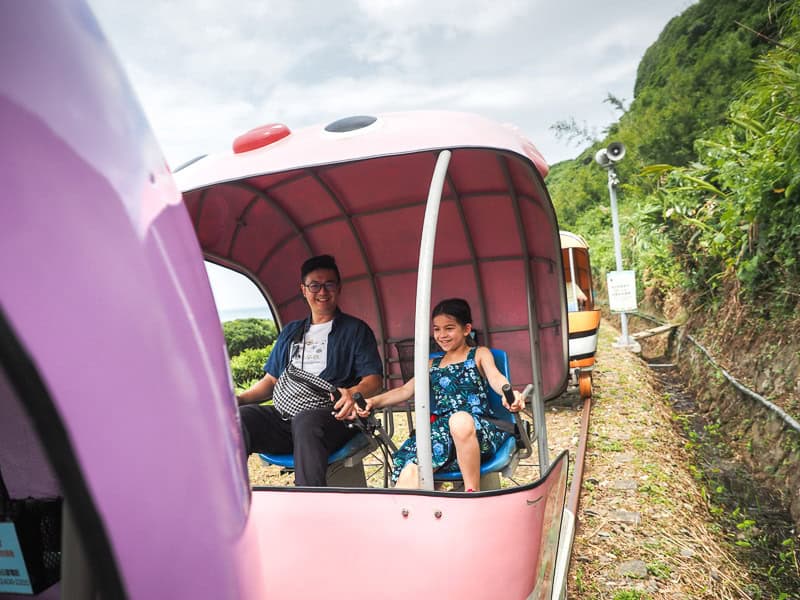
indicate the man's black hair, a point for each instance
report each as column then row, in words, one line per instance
column 323, row 261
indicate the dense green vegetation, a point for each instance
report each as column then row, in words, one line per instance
column 249, row 343
column 248, row 367
column 709, row 198
column 244, row 334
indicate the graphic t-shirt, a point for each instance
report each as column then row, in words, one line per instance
column 311, row 354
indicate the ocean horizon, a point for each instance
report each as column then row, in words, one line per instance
column 252, row 312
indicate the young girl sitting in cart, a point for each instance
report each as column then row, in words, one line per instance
column 462, row 426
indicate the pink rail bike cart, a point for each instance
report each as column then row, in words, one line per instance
column 117, row 413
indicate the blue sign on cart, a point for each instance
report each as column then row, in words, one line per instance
column 13, row 573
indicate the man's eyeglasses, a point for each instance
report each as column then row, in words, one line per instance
column 314, row 286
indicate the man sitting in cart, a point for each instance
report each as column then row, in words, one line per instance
column 336, row 347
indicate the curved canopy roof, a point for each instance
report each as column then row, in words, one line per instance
column 361, row 196
column 572, row 240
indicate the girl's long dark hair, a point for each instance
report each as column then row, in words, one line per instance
column 459, row 309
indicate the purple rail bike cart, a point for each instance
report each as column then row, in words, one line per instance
column 119, row 430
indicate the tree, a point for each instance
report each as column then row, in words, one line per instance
column 723, row 201
column 735, row 208
column 248, row 367
column 243, row 334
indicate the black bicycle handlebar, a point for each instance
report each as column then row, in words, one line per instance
column 358, row 397
column 508, row 394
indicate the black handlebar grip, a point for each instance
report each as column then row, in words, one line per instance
column 336, row 394
column 359, row 400
column 508, row 394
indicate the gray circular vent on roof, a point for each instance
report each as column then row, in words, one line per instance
column 350, row 123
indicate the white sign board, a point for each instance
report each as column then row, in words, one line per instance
column 621, row 291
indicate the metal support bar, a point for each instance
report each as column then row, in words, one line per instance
column 533, row 329
column 422, row 324
column 573, row 282
column 624, row 339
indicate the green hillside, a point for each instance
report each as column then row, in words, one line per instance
column 686, row 80
column 709, row 198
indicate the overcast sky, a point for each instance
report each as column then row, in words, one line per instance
column 208, row 70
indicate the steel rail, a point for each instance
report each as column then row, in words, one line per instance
column 569, row 519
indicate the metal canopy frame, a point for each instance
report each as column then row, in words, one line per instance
column 301, row 232
column 324, row 184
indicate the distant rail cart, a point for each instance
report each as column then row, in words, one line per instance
column 584, row 318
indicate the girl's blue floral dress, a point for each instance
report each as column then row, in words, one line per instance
column 455, row 387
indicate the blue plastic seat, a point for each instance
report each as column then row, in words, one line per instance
column 345, row 466
column 502, row 459
column 356, row 443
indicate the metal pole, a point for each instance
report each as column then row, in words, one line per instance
column 533, row 331
column 422, row 326
column 572, row 278
column 624, row 340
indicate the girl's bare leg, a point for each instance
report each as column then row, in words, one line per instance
column 409, row 477
column 468, row 452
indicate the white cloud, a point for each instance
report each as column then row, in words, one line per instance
column 476, row 16
column 208, row 70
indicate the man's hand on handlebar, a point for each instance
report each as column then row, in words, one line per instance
column 344, row 407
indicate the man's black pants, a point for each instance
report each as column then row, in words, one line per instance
column 311, row 436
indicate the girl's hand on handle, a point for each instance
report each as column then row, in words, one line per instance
column 363, row 406
column 519, row 402
column 512, row 399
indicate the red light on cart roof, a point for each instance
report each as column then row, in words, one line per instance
column 260, row 137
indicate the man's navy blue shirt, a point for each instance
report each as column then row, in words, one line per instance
column 352, row 350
